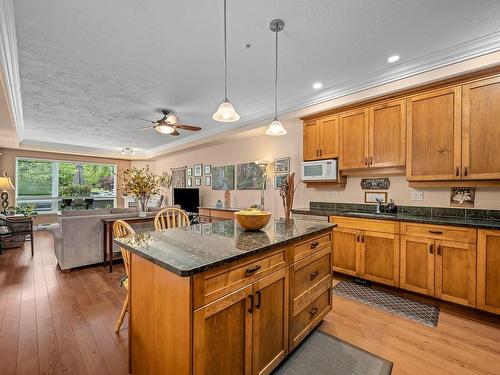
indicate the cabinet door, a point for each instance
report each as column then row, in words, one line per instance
column 270, row 322
column 223, row 335
column 387, row 134
column 353, row 139
column 481, row 129
column 380, row 257
column 417, row 265
column 456, row 272
column 311, row 140
column 488, row 270
column 329, row 137
column 346, row 250
column 434, row 135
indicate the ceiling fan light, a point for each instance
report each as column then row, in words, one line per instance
column 171, row 119
column 164, row 129
column 226, row 113
column 276, row 128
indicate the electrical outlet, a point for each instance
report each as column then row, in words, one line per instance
column 334, row 195
column 417, row 195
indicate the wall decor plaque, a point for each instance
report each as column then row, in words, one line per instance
column 462, row 197
column 375, row 183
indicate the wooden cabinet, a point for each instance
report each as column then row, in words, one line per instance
column 321, row 138
column 387, row 134
column 433, row 265
column 434, row 135
column 353, row 139
column 488, row 270
column 481, row 130
column 223, row 335
column 372, row 254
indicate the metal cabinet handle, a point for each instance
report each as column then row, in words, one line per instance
column 466, row 171
column 457, row 172
column 314, row 274
column 431, row 248
column 436, row 231
column 438, row 249
column 371, row 160
column 366, row 161
column 357, row 237
column 314, row 244
column 363, row 238
column 250, row 271
column 250, row 310
column 313, row 311
column 259, row 297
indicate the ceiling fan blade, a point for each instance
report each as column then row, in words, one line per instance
column 143, row 119
column 187, row 127
column 146, row 128
column 175, row 133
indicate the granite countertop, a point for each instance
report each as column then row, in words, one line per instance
column 461, row 221
column 200, row 247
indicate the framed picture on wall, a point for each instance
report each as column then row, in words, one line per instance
column 198, row 170
column 372, row 196
column 189, row 172
column 207, row 169
column 197, row 182
column 282, row 165
column 278, row 179
column 189, row 182
column 208, row 180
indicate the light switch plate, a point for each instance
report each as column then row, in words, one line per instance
column 417, row 195
column 334, row 195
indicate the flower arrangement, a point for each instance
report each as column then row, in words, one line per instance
column 142, row 184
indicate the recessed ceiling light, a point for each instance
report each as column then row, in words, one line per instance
column 393, row 58
column 317, row 85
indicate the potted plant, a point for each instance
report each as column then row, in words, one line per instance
column 142, row 184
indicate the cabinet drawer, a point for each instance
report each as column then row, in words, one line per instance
column 309, row 271
column 385, row 226
column 439, row 232
column 311, row 246
column 214, row 284
column 222, row 214
column 309, row 318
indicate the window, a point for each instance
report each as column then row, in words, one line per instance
column 45, row 183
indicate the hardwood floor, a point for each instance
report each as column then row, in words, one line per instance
column 53, row 323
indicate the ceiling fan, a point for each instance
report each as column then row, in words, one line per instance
column 167, row 124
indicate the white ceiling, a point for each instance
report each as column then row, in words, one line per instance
column 87, row 65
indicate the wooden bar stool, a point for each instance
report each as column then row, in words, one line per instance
column 171, row 218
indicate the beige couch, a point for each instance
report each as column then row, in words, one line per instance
column 78, row 236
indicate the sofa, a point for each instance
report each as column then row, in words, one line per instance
column 78, row 236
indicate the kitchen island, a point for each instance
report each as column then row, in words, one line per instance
column 215, row 299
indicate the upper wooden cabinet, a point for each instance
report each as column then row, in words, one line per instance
column 321, row 137
column 353, row 132
column 481, row 129
column 434, row 135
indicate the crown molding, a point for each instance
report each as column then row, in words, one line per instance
column 9, row 67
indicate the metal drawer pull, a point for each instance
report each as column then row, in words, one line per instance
column 431, row 248
column 250, row 271
column 250, row 310
column 257, row 305
column 314, row 244
column 313, row 311
column 436, row 231
column 314, row 274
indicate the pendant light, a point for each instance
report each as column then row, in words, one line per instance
column 276, row 128
column 226, row 112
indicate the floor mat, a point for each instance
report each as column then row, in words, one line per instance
column 405, row 307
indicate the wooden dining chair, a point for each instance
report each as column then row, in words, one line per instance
column 171, row 218
column 122, row 229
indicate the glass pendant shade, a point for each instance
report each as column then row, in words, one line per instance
column 164, row 129
column 276, row 128
column 226, row 113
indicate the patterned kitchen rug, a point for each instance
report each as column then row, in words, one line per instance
column 322, row 354
column 405, row 307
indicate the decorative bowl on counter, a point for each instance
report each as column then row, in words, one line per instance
column 252, row 218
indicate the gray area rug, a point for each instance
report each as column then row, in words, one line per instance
column 322, row 354
column 405, row 307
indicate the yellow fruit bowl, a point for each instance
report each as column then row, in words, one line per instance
column 253, row 218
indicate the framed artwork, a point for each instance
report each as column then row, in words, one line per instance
column 207, row 229
column 372, row 196
column 196, row 228
column 198, row 170
column 223, row 178
column 189, row 182
column 249, row 177
column 189, row 172
column 207, row 169
column 278, row 179
column 282, row 165
column 462, row 197
column 375, row 183
column 197, row 182
column 208, row 180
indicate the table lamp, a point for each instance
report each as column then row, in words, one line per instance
column 5, row 184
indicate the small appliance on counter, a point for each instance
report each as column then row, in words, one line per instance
column 320, row 170
column 391, row 208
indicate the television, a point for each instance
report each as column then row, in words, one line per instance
column 187, row 198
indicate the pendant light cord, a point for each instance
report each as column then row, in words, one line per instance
column 225, row 55
column 276, row 77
